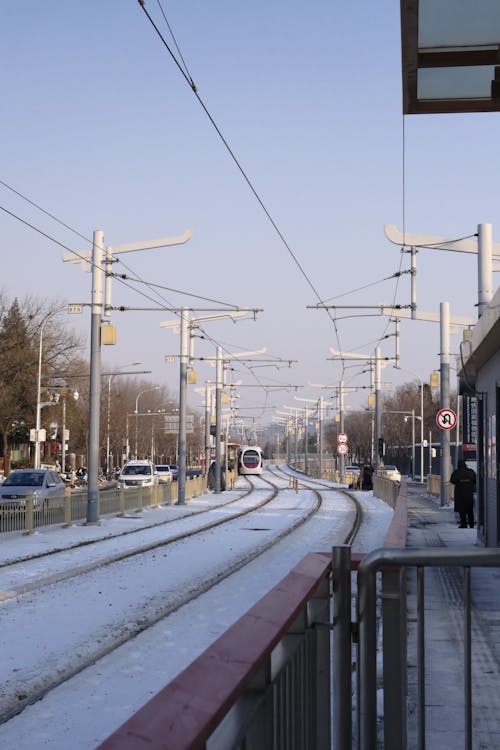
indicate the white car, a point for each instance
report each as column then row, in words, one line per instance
column 165, row 473
column 391, row 472
column 138, row 474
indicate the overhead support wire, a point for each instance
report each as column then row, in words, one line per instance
column 187, row 77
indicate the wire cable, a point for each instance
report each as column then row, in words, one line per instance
column 233, row 156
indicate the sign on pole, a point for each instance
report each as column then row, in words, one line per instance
column 446, row 419
column 342, row 438
column 342, row 449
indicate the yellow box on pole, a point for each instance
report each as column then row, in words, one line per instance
column 108, row 335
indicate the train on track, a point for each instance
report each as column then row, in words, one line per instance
column 249, row 459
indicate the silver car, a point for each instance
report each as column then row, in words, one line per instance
column 164, row 473
column 46, row 486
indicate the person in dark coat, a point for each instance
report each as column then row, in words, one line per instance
column 464, row 480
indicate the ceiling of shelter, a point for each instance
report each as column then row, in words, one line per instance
column 450, row 55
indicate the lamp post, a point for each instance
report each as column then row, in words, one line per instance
column 38, row 391
column 110, row 378
column 147, row 390
column 413, row 418
column 75, row 395
column 421, row 420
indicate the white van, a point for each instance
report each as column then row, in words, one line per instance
column 138, row 474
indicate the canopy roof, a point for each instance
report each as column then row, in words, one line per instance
column 450, row 55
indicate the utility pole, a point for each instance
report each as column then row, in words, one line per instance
column 184, row 359
column 95, row 379
column 100, row 256
column 445, row 470
column 487, row 252
column 186, row 355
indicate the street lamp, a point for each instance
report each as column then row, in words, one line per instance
column 110, row 378
column 38, row 391
column 404, row 369
column 147, row 390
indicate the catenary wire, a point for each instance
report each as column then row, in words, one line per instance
column 233, row 156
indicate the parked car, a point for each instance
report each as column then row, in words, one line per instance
column 175, row 471
column 164, row 473
column 46, row 485
column 391, row 472
column 352, row 469
column 138, row 474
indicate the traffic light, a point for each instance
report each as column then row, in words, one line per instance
column 381, row 447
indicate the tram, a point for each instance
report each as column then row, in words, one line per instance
column 250, row 460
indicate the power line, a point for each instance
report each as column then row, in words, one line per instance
column 256, row 195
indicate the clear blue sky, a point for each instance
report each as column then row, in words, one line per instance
column 100, row 128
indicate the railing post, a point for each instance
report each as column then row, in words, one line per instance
column 67, row 508
column 394, row 657
column 319, row 616
column 121, row 494
column 342, row 647
column 28, row 514
column 367, row 623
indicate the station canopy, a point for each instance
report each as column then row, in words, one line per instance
column 450, row 55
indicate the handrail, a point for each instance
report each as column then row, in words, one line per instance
column 186, row 712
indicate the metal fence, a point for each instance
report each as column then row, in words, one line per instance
column 281, row 677
column 73, row 507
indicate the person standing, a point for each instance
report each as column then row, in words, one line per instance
column 464, row 480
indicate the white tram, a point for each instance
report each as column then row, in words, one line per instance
column 250, row 460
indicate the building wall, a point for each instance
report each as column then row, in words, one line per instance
column 488, row 384
column 482, row 367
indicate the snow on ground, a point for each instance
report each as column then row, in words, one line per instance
column 86, row 708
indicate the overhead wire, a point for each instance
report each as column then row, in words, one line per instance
column 187, row 77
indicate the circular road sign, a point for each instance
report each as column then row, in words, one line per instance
column 342, row 438
column 342, row 449
column 446, row 419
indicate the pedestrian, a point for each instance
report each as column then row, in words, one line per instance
column 464, row 480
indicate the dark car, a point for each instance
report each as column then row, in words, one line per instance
column 46, row 486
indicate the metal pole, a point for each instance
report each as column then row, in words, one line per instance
column 107, row 425
column 63, row 444
column 445, row 466
column 306, row 461
column 320, row 437
column 413, row 444
column 38, row 394
column 484, row 266
column 341, row 413
column 342, row 647
column 207, row 427
column 413, row 282
column 421, row 431
column 218, row 414
column 127, row 441
column 184, row 357
column 430, row 451
column 95, row 379
column 378, row 407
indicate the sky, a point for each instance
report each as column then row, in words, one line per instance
column 101, row 129
column 99, row 698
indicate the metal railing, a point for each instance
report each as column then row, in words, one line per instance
column 264, row 684
column 73, row 507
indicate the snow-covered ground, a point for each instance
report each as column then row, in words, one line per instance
column 62, row 621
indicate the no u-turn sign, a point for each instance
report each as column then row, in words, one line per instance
column 446, row 419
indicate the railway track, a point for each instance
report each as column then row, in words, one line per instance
column 147, row 585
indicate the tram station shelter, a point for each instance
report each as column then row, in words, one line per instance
column 450, row 56
column 450, row 53
column 478, row 369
